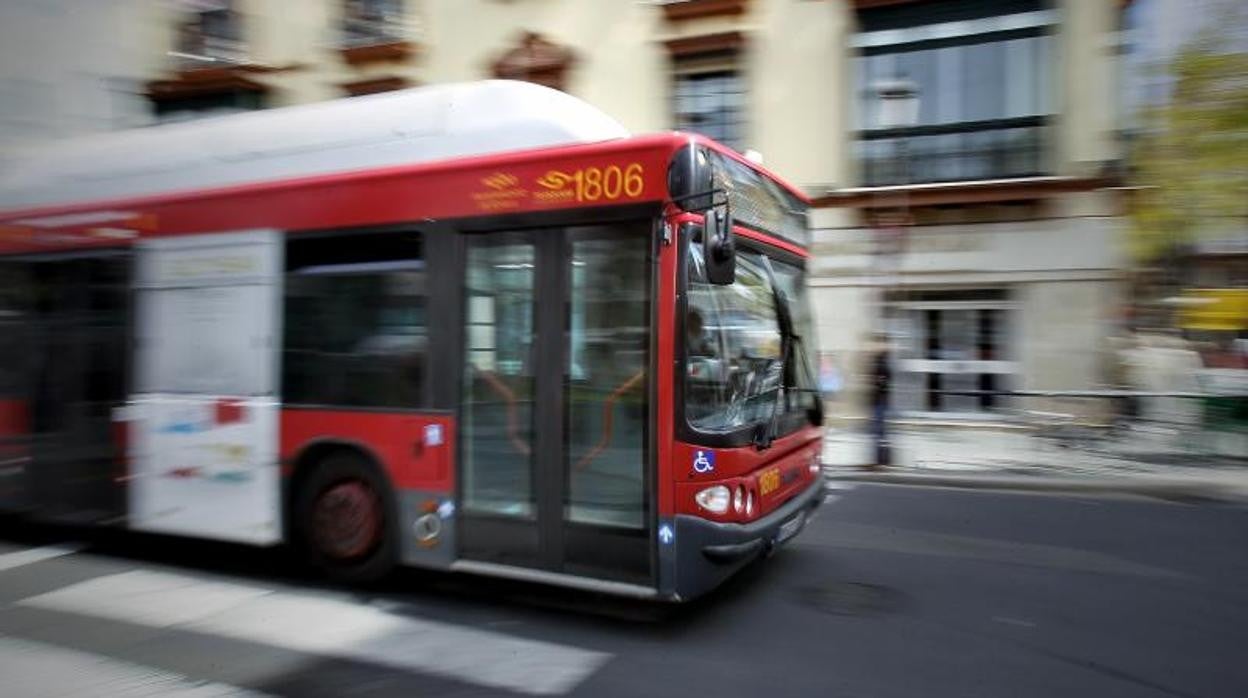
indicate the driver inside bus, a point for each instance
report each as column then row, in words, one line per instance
column 696, row 341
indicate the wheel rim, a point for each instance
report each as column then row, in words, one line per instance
column 346, row 520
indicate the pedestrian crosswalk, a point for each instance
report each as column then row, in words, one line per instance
column 30, row 556
column 36, row 669
column 322, row 625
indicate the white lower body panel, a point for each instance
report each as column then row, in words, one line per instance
column 205, row 466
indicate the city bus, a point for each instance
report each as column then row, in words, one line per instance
column 475, row 327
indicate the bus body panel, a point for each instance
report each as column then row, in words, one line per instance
column 612, row 173
column 772, row 476
column 707, row 552
column 665, row 409
column 403, row 127
column 15, row 429
column 203, row 416
column 416, row 449
column 205, row 466
column 14, row 418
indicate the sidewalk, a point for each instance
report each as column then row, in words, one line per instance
column 1157, row 462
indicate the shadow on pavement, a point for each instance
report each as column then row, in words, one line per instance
column 406, row 591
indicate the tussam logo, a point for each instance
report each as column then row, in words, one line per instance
column 500, row 181
column 555, row 179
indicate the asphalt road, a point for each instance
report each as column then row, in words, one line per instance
column 891, row 591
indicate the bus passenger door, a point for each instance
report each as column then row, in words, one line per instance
column 64, row 328
column 555, row 470
column 498, row 407
column 17, row 355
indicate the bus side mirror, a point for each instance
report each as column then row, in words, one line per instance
column 719, row 250
column 691, row 179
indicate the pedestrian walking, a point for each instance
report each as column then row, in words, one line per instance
column 880, row 381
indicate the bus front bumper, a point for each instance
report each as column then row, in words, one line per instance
column 710, row 552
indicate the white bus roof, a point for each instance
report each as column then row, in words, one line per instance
column 411, row 126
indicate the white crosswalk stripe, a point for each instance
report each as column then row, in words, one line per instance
column 34, row 670
column 32, row 555
column 327, row 626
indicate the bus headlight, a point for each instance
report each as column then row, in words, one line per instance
column 749, row 503
column 714, row 499
column 738, row 499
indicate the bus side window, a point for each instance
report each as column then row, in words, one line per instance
column 355, row 328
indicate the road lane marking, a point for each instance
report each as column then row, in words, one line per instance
column 327, row 626
column 1014, row 621
column 38, row 669
column 833, row 490
column 915, row 542
column 30, row 556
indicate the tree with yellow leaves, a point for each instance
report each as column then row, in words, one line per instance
column 1189, row 161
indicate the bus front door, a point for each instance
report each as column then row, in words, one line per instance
column 555, row 470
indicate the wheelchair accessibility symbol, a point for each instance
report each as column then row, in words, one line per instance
column 703, row 461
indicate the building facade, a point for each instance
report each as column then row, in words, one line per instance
column 981, row 238
column 67, row 68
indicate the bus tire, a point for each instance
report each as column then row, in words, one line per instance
column 345, row 518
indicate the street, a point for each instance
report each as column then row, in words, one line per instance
column 890, row 591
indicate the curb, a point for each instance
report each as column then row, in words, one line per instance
column 1167, row 488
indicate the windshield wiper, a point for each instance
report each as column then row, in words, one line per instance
column 766, row 433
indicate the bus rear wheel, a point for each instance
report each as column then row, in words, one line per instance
column 345, row 519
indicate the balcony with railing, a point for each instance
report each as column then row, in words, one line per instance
column 678, row 10
column 211, row 71
column 967, row 151
column 374, row 30
column 210, row 38
column 370, row 29
column 979, row 91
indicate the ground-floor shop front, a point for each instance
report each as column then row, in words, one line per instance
column 971, row 312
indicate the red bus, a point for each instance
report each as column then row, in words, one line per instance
column 471, row 327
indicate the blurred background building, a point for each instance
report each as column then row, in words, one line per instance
column 979, row 229
column 980, row 225
column 69, row 67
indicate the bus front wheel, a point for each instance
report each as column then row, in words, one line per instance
column 345, row 519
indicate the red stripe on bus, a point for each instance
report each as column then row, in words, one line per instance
column 449, row 189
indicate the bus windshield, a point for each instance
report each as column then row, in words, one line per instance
column 734, row 348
